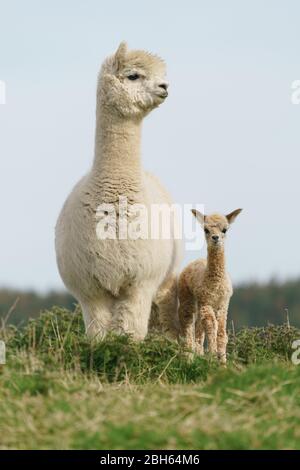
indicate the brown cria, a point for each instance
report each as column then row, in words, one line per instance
column 205, row 288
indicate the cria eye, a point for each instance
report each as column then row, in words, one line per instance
column 133, row 76
column 224, row 230
column 206, row 230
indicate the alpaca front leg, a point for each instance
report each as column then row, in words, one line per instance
column 131, row 313
column 186, row 313
column 199, row 337
column 186, row 317
column 97, row 317
column 222, row 337
column 166, row 301
column 210, row 327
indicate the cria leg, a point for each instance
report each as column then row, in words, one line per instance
column 199, row 336
column 154, row 324
column 186, row 314
column 222, row 337
column 166, row 301
column 210, row 326
column 132, row 311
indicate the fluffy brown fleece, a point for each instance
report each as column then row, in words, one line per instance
column 205, row 288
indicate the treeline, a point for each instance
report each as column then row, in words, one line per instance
column 17, row 307
column 259, row 304
column 251, row 305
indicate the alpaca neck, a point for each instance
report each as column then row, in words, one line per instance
column 117, row 163
column 216, row 266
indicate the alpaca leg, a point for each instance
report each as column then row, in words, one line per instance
column 186, row 317
column 132, row 311
column 154, row 323
column 210, row 326
column 96, row 316
column 187, row 328
column 186, row 313
column 199, row 337
column 222, row 337
column 166, row 301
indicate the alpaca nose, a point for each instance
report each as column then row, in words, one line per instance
column 164, row 85
column 215, row 238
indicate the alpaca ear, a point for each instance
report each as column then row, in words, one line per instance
column 200, row 217
column 120, row 54
column 233, row 215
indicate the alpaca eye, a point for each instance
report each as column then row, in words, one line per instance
column 206, row 230
column 134, row 76
column 224, row 230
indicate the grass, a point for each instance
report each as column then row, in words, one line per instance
column 60, row 391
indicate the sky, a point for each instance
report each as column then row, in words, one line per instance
column 226, row 137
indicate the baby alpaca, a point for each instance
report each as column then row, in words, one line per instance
column 204, row 290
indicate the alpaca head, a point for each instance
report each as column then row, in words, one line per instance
column 215, row 226
column 132, row 83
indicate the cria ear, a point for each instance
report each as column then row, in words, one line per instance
column 200, row 217
column 120, row 54
column 233, row 215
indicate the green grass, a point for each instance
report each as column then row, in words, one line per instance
column 60, row 391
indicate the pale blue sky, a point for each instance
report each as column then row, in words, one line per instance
column 228, row 135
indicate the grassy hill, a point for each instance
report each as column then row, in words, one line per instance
column 58, row 390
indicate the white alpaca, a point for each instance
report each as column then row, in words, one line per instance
column 116, row 281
